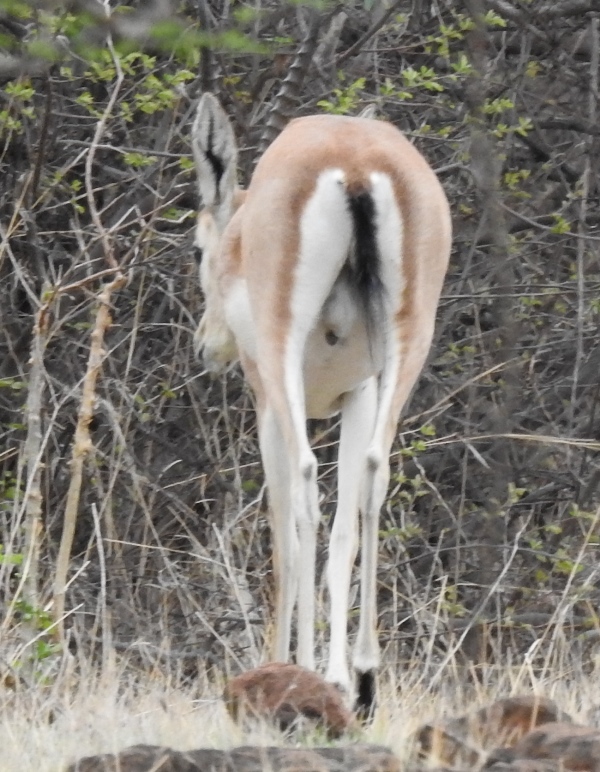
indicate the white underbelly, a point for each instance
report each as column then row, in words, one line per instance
column 331, row 367
column 332, row 370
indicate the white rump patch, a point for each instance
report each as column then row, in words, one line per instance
column 389, row 238
column 325, row 237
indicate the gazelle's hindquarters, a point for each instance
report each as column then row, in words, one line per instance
column 424, row 245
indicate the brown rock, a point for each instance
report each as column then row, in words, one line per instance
column 575, row 747
column 147, row 758
column 284, row 692
column 358, row 758
column 509, row 719
column 504, row 722
column 438, row 744
column 527, row 765
column 142, row 758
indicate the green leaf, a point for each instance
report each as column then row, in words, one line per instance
column 11, row 383
column 561, row 225
column 138, row 160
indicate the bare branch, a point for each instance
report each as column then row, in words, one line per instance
column 206, row 56
column 566, row 8
column 89, row 162
column 33, row 452
column 82, row 445
column 373, row 30
column 285, row 100
column 582, row 244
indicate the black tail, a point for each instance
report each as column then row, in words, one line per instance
column 365, row 261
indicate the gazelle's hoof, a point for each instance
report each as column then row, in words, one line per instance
column 366, row 694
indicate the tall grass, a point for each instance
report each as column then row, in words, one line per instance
column 76, row 708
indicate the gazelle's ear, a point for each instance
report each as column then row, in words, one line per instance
column 369, row 112
column 215, row 152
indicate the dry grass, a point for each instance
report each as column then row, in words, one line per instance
column 82, row 711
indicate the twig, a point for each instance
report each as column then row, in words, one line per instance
column 33, row 452
column 82, row 445
column 283, row 103
column 417, row 417
column 544, row 439
column 89, row 162
column 122, row 149
column 567, row 8
column 43, row 137
column 373, row 30
column 5, row 248
column 582, row 224
column 486, row 168
column 477, row 613
column 206, row 55
column 547, row 228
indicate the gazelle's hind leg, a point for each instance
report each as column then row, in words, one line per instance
column 406, row 329
column 358, row 418
column 294, row 512
column 325, row 232
column 403, row 366
column 276, row 466
column 285, row 539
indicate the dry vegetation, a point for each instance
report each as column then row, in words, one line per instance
column 101, row 712
column 489, row 577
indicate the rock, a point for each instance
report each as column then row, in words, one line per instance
column 142, row 758
column 527, row 765
column 509, row 719
column 358, row 758
column 438, row 745
column 148, row 758
column 283, row 692
column 575, row 747
column 459, row 741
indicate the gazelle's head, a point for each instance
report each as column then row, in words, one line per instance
column 215, row 153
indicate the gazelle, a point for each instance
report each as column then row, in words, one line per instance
column 323, row 279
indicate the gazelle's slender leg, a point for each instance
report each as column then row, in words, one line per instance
column 358, row 417
column 366, row 653
column 404, row 361
column 303, row 514
column 295, row 511
column 305, row 507
column 285, row 540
